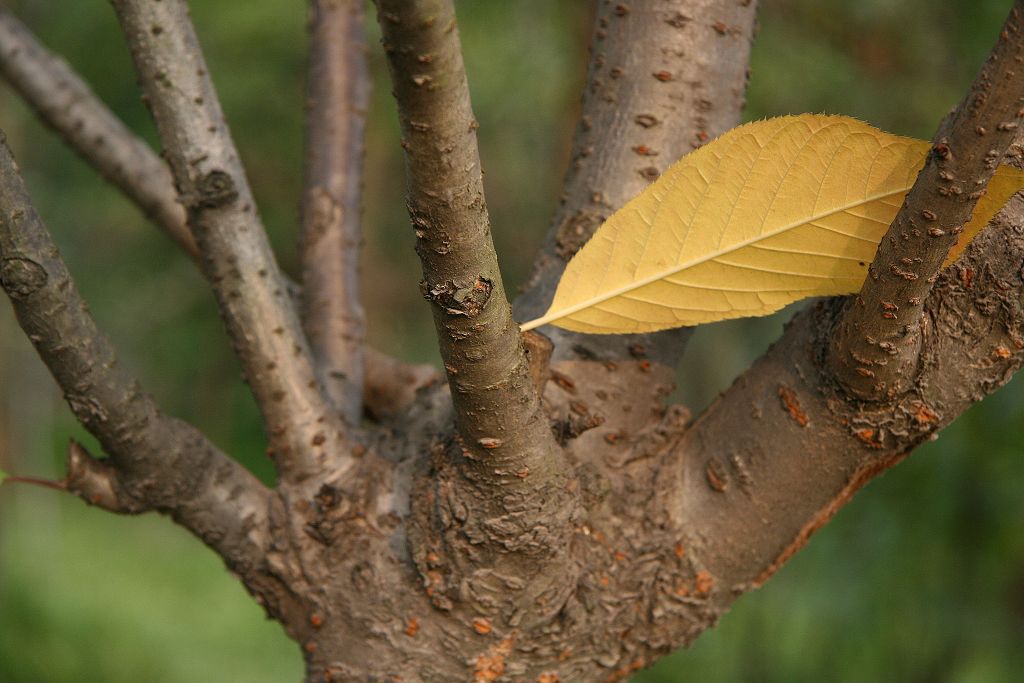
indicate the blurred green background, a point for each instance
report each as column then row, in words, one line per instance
column 922, row 579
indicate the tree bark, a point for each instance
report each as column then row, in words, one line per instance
column 511, row 496
column 337, row 96
column 156, row 462
column 251, row 292
column 879, row 337
column 67, row 105
column 664, row 78
column 487, row 533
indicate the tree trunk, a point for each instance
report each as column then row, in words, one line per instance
column 545, row 514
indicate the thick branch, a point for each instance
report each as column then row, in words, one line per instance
column 878, row 340
column 156, row 462
column 498, row 410
column 67, row 105
column 752, row 496
column 501, row 496
column 337, row 98
column 664, row 78
column 305, row 435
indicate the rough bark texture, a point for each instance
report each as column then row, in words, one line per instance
column 483, row 533
column 66, row 104
column 156, row 462
column 878, row 343
column 337, row 96
column 500, row 511
column 807, row 446
column 251, row 292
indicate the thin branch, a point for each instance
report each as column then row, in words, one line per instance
column 138, row 169
column 664, row 78
column 510, row 466
column 337, row 95
column 67, row 105
column 306, row 436
column 159, row 463
column 35, row 481
column 480, row 343
column 878, row 339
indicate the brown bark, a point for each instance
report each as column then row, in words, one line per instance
column 67, row 104
column 337, row 96
column 664, row 78
column 483, row 534
column 251, row 292
column 758, row 493
column 391, row 385
column 156, row 462
column 511, row 495
column 879, row 337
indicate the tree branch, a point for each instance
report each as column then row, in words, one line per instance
column 750, row 498
column 138, row 171
column 67, row 105
column 156, row 462
column 878, row 339
column 503, row 495
column 498, row 410
column 306, row 436
column 664, row 78
column 338, row 91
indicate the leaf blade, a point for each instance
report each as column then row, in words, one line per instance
column 1005, row 183
column 767, row 214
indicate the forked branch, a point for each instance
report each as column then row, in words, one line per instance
column 156, row 462
column 64, row 101
column 878, row 339
column 306, row 436
column 337, row 96
column 753, row 496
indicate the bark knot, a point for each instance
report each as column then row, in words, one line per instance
column 21, row 277
column 215, row 189
column 457, row 300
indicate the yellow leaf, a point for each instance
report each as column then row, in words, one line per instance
column 1005, row 183
column 769, row 213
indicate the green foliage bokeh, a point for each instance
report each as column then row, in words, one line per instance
column 921, row 579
